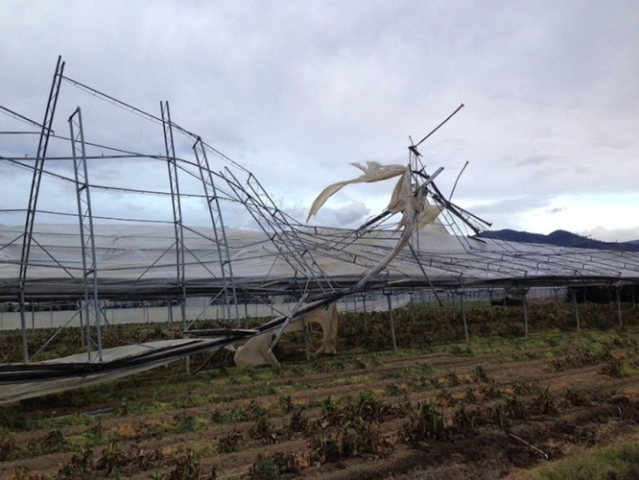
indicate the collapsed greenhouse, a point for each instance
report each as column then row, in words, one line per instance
column 92, row 260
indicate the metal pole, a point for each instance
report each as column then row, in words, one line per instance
column 364, row 306
column 525, row 303
column 574, row 302
column 33, row 198
column 169, row 145
column 307, row 343
column 463, row 309
column 619, row 306
column 170, row 316
column 392, row 322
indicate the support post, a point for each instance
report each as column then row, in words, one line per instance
column 574, row 302
column 364, row 306
column 307, row 342
column 617, row 290
column 169, row 146
column 87, row 237
column 170, row 316
column 389, row 294
column 33, row 198
column 463, row 310
column 525, row 303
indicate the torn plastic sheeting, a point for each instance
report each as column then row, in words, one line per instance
column 257, row 350
column 373, row 172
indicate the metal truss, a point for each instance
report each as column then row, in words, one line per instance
column 91, row 306
column 176, row 204
column 280, row 230
column 213, row 204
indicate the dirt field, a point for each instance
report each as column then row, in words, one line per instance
column 498, row 408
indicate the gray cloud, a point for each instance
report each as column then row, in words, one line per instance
column 535, row 160
column 555, row 210
column 296, row 91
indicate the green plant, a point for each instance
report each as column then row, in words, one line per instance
column 285, row 403
column 263, row 429
column 614, row 368
column 273, row 466
column 53, row 441
column 298, row 423
column 7, row 446
column 185, row 422
column 228, row 442
column 112, row 458
column 544, row 403
column 480, row 375
column 514, row 408
column 187, row 467
column 424, row 422
column 79, row 466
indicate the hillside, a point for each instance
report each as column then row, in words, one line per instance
column 560, row 238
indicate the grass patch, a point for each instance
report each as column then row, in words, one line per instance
column 620, row 462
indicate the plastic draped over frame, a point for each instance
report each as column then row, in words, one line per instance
column 402, row 199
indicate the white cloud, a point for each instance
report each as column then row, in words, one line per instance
column 612, row 235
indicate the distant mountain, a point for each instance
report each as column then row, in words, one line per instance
column 560, row 238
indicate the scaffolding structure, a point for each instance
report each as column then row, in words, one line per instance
column 123, row 258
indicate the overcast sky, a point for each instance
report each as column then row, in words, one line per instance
column 295, row 91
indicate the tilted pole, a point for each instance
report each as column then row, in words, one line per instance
column 221, row 242
column 33, row 198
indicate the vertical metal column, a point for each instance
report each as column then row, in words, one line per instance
column 617, row 291
column 33, row 197
column 574, row 302
column 389, row 294
column 213, row 203
column 364, row 306
column 177, row 207
column 87, row 237
column 463, row 309
column 525, row 304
